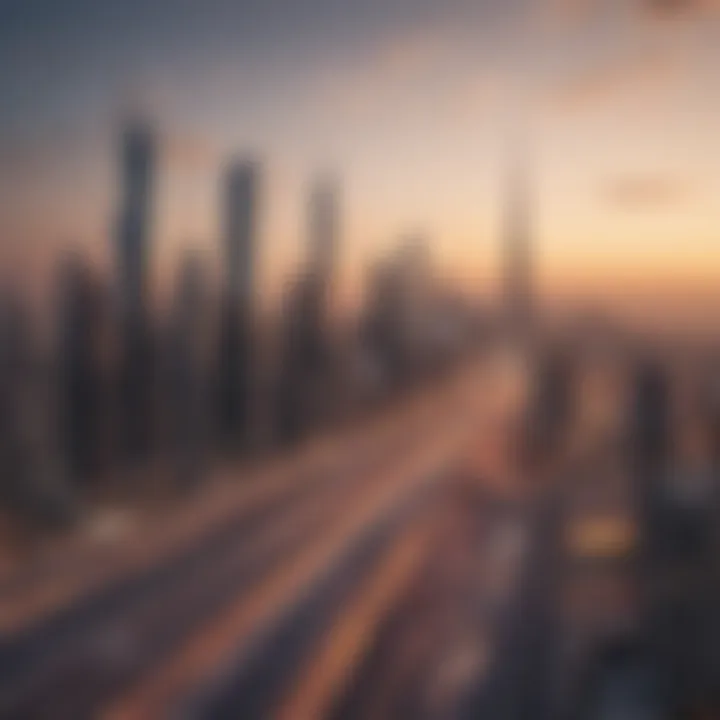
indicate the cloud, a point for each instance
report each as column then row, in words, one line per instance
column 672, row 9
column 385, row 76
column 646, row 191
column 629, row 77
column 571, row 10
column 580, row 11
column 413, row 79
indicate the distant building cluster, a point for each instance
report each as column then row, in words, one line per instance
column 124, row 393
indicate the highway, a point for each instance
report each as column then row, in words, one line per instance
column 264, row 596
column 409, row 566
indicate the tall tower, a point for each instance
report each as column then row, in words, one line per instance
column 240, row 222
column 323, row 229
column 80, row 369
column 314, row 295
column 136, row 402
column 303, row 393
column 517, row 251
column 235, row 371
column 138, row 161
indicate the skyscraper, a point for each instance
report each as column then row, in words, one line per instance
column 517, row 252
column 234, row 377
column 323, row 230
column 239, row 230
column 136, row 364
column 137, row 162
column 82, row 415
column 306, row 355
column 186, row 373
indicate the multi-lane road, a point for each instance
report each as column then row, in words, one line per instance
column 268, row 594
column 407, row 567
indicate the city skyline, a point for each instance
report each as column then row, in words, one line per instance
column 408, row 106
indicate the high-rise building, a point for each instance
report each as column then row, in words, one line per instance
column 306, row 363
column 80, row 366
column 16, row 357
column 383, row 321
column 186, row 373
column 517, row 252
column 137, row 355
column 240, row 215
column 323, row 229
column 234, row 375
column 138, row 169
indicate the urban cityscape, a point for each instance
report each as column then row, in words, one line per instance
column 403, row 488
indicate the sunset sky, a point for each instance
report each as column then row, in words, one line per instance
column 414, row 104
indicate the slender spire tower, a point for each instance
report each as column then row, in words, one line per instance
column 138, row 159
column 240, row 214
column 323, row 229
column 517, row 248
column 235, row 373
